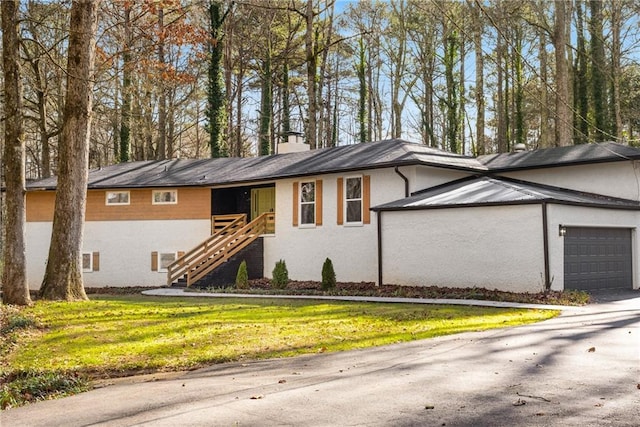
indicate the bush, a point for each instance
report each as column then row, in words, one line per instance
column 328, row 275
column 242, row 278
column 280, row 276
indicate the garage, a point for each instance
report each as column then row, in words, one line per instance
column 597, row 258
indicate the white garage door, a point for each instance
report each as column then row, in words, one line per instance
column 597, row 258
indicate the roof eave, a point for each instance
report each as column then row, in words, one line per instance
column 510, row 203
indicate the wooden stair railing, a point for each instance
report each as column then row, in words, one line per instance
column 219, row 250
column 222, row 225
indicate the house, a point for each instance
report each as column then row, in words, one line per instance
column 391, row 212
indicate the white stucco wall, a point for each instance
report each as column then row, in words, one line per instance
column 426, row 177
column 125, row 249
column 576, row 216
column 617, row 179
column 352, row 249
column 488, row 247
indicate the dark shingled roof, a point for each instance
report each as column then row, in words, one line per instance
column 209, row 172
column 371, row 155
column 560, row 156
column 489, row 191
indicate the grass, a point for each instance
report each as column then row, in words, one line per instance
column 120, row 335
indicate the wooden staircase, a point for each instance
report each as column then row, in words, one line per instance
column 230, row 235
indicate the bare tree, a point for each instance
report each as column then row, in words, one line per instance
column 14, row 276
column 63, row 275
column 564, row 122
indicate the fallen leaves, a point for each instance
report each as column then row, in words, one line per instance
column 520, row 402
column 592, row 350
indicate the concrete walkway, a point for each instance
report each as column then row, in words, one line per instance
column 579, row 369
column 181, row 292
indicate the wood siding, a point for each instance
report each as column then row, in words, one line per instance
column 193, row 203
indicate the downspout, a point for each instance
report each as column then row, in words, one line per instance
column 379, row 213
column 406, row 181
column 545, row 244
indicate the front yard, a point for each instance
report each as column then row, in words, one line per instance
column 50, row 346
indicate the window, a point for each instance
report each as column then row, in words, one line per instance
column 90, row 261
column 160, row 261
column 87, row 261
column 117, row 198
column 353, row 200
column 165, row 197
column 308, row 203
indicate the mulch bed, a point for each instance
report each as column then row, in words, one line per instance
column 263, row 286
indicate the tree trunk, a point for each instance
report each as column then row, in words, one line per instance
column 616, row 28
column 324, row 103
column 215, row 90
column 125, row 121
column 63, row 275
column 311, row 58
column 581, row 93
column 15, row 289
column 462, row 97
column 265, row 107
column 520, row 130
column 451, row 50
column 481, row 147
column 543, row 141
column 228, row 69
column 501, row 97
column 598, row 83
column 162, row 103
column 564, row 122
column 362, row 91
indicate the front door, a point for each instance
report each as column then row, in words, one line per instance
column 262, row 200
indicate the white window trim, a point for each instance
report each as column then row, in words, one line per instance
column 345, row 203
column 90, row 268
column 173, row 202
column 160, row 253
column 300, row 203
column 106, row 198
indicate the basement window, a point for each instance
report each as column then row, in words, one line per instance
column 90, row 261
column 115, row 198
column 165, row 259
column 165, row 197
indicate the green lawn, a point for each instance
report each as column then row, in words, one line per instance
column 126, row 334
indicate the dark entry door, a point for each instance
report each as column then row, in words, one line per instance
column 597, row 258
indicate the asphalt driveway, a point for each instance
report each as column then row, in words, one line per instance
column 580, row 369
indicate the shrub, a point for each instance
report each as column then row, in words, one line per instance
column 280, row 276
column 242, row 278
column 328, row 275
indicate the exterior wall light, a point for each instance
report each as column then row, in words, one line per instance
column 562, row 230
